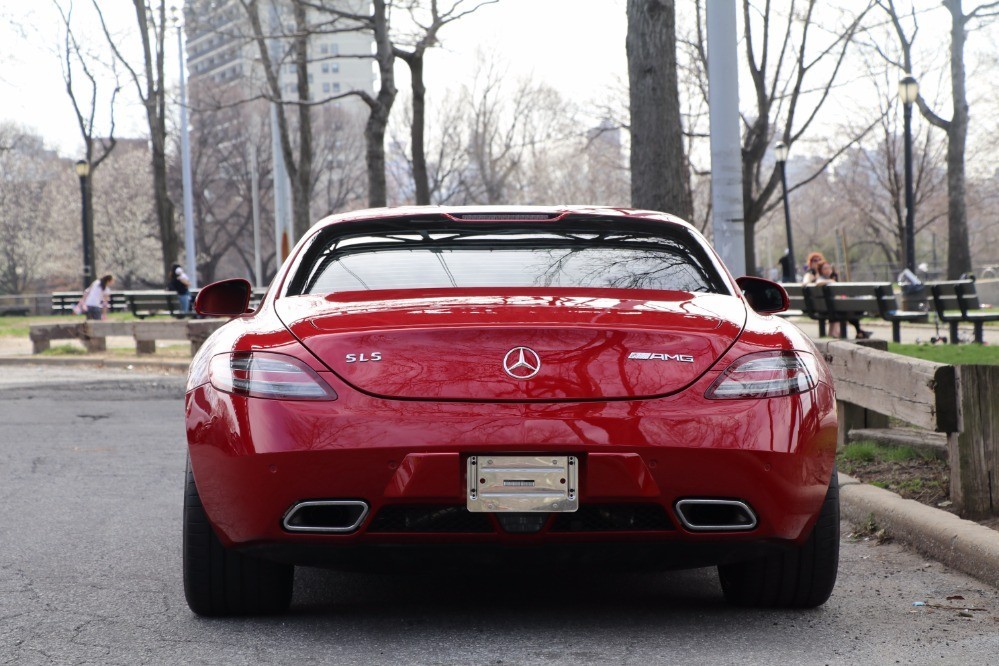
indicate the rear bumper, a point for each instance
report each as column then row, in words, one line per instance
column 255, row 459
column 512, row 558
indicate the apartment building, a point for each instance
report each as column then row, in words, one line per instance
column 221, row 52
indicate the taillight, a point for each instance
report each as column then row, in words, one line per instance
column 267, row 375
column 766, row 375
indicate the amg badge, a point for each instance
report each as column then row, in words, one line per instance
column 653, row 356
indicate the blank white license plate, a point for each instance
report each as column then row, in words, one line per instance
column 523, row 483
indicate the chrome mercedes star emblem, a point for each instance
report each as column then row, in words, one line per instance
column 522, row 363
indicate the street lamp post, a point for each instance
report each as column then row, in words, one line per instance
column 780, row 152
column 908, row 91
column 83, row 171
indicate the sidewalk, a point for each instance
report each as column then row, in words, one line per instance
column 910, row 333
column 961, row 544
column 120, row 354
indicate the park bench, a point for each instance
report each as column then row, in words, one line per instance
column 94, row 334
column 956, row 301
column 839, row 302
column 144, row 304
column 889, row 310
column 796, row 299
column 843, row 301
column 141, row 303
column 800, row 299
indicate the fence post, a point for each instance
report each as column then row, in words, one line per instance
column 974, row 449
column 855, row 417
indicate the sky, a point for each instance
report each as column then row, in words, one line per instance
column 576, row 46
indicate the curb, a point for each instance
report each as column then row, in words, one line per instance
column 958, row 543
column 166, row 365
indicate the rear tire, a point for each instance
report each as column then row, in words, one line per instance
column 221, row 581
column 801, row 577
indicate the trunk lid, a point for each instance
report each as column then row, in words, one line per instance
column 529, row 347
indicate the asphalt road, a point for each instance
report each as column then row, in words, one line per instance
column 91, row 476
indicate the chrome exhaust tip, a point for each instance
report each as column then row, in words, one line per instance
column 715, row 515
column 325, row 516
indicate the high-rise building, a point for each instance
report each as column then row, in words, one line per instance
column 221, row 51
column 237, row 151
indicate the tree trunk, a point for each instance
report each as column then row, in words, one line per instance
column 374, row 137
column 88, row 232
column 958, row 248
column 301, row 184
column 374, row 131
column 421, row 180
column 300, row 170
column 154, row 101
column 658, row 168
column 164, row 207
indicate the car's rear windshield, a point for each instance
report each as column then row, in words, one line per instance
column 428, row 255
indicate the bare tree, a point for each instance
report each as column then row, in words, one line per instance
column 300, row 169
column 794, row 65
column 81, row 81
column 150, row 85
column 446, row 151
column 872, row 182
column 128, row 240
column 494, row 141
column 339, row 156
column 30, row 192
column 659, row 173
column 429, row 22
column 221, row 167
column 10, row 137
column 506, row 130
column 380, row 105
column 905, row 25
column 316, row 18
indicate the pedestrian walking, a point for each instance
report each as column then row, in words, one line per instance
column 96, row 299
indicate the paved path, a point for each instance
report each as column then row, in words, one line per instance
column 91, row 484
column 910, row 333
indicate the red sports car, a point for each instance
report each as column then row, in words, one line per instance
column 507, row 385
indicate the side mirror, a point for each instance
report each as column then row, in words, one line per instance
column 764, row 296
column 226, row 298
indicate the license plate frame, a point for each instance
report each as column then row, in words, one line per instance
column 522, row 484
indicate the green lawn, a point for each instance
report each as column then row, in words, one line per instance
column 963, row 354
column 17, row 327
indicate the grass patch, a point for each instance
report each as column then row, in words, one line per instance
column 17, row 327
column 64, row 350
column 906, row 470
column 856, row 452
column 165, row 351
column 963, row 354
